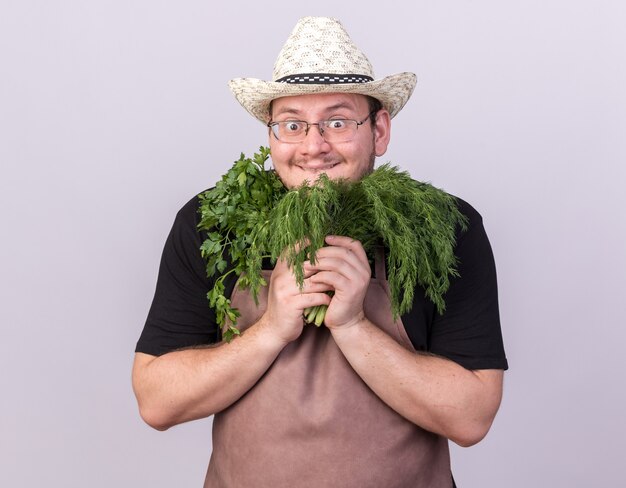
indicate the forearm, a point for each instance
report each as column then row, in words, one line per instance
column 196, row 383
column 432, row 392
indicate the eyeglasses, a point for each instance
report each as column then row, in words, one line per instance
column 333, row 130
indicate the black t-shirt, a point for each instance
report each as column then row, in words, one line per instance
column 468, row 332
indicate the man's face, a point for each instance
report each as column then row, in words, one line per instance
column 306, row 160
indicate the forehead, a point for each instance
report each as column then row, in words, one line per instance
column 320, row 103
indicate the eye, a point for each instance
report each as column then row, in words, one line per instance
column 336, row 124
column 293, row 126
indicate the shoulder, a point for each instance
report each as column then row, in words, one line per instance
column 474, row 234
column 189, row 212
column 468, row 210
column 188, row 217
column 468, row 332
column 474, row 218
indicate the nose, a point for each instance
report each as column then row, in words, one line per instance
column 316, row 124
column 314, row 141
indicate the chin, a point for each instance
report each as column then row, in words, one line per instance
column 335, row 173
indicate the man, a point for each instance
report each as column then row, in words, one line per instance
column 366, row 400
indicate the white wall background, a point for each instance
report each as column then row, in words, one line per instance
column 114, row 113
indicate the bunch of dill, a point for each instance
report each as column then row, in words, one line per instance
column 415, row 222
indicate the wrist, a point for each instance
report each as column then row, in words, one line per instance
column 354, row 323
column 269, row 335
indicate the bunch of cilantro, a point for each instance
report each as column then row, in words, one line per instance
column 235, row 215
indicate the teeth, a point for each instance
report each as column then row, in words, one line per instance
column 325, row 168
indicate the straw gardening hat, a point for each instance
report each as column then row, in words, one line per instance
column 320, row 57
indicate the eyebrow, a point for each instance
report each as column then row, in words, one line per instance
column 295, row 111
column 286, row 110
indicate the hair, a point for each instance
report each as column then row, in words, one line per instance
column 269, row 110
column 374, row 105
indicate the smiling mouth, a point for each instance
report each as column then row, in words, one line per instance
column 319, row 168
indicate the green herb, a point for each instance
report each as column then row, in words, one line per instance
column 253, row 216
column 236, row 215
column 414, row 221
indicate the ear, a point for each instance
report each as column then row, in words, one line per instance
column 382, row 132
column 270, row 134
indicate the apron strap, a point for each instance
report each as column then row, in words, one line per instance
column 380, row 269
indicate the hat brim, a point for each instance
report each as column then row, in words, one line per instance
column 255, row 95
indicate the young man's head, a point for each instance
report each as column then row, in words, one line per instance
column 333, row 133
column 325, row 111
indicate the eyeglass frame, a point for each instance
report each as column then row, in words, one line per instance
column 273, row 124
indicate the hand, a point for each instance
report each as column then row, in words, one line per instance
column 342, row 267
column 286, row 302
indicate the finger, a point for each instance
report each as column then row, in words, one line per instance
column 310, row 268
column 297, row 247
column 347, row 243
column 343, row 261
column 333, row 280
column 317, row 286
column 339, row 265
column 307, row 300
